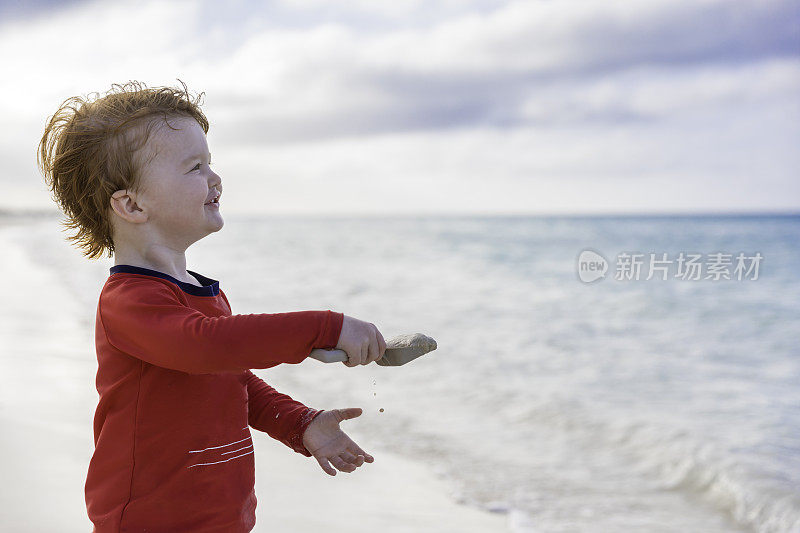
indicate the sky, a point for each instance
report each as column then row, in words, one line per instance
column 373, row 107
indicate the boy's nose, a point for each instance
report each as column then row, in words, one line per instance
column 217, row 182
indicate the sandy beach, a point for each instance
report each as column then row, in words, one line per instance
column 47, row 402
column 44, row 491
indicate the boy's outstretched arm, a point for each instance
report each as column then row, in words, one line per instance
column 148, row 320
column 277, row 414
column 330, row 445
column 304, row 429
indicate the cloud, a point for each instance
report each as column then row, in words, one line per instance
column 506, row 68
column 597, row 169
column 521, row 63
column 11, row 10
column 545, row 103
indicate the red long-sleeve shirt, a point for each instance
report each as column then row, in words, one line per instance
column 171, row 430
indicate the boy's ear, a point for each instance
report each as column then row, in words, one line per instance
column 123, row 202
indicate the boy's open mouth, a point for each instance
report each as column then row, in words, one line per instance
column 214, row 201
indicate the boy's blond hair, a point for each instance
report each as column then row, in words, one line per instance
column 90, row 149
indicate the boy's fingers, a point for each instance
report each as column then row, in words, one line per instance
column 325, row 466
column 358, row 451
column 352, row 459
column 341, row 464
column 347, row 456
column 372, row 349
column 347, row 414
column 359, row 458
column 381, row 345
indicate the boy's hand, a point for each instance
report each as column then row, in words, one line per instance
column 327, row 442
column 361, row 341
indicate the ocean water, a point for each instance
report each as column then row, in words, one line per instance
column 638, row 405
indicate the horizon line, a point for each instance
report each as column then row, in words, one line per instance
column 41, row 212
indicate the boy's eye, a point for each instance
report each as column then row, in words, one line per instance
column 197, row 166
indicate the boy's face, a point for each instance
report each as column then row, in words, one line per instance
column 177, row 183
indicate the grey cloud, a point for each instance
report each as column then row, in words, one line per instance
column 26, row 9
column 673, row 37
column 681, row 34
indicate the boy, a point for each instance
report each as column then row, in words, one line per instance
column 173, row 450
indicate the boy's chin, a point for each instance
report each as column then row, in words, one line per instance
column 216, row 220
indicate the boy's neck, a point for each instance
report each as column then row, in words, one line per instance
column 161, row 259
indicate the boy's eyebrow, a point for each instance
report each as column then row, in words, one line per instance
column 196, row 156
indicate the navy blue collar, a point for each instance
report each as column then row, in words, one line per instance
column 210, row 286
